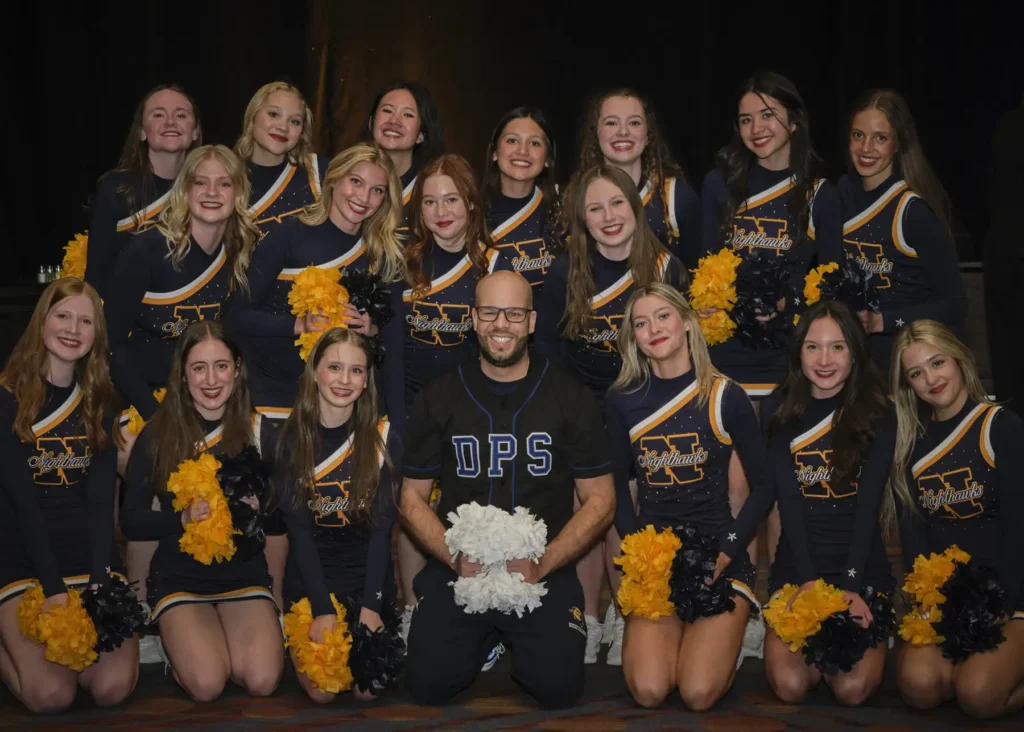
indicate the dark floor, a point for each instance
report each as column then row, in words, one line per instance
column 495, row 702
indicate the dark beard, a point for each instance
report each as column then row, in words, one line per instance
column 511, row 360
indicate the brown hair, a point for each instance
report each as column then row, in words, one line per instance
column 25, row 372
column 456, row 168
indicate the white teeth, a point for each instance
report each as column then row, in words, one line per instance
column 392, row 133
column 520, row 164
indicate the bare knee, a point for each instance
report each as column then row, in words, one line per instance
column 919, row 688
column 979, row 695
column 648, row 690
column 853, row 689
column 48, row 695
column 789, row 687
column 262, row 680
column 112, row 689
column 699, row 695
column 203, row 685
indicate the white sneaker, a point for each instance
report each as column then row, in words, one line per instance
column 753, row 640
column 407, row 623
column 150, row 650
column 609, row 624
column 594, row 636
column 615, row 650
column 492, row 659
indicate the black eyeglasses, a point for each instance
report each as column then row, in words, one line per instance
column 512, row 315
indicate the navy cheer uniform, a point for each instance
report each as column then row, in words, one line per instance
column 678, row 228
column 764, row 227
column 151, row 304
column 893, row 234
column 595, row 356
column 680, row 450
column 112, row 225
column 842, row 542
column 332, row 550
column 284, row 190
column 262, row 320
column 176, row 578
column 965, row 473
column 436, row 324
column 56, row 500
column 518, row 230
column 504, row 444
column 408, row 182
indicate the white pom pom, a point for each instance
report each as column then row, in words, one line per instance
column 490, row 536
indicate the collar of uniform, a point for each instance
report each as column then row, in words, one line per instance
column 475, row 382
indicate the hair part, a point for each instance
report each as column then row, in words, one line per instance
column 302, row 154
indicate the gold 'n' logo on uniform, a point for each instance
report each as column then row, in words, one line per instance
column 603, row 332
column 872, row 259
column 331, row 503
column 439, row 324
column 60, row 460
column 672, row 459
column 185, row 315
column 814, row 474
column 955, row 493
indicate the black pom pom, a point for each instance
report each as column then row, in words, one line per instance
column 761, row 282
column 694, row 563
column 838, row 645
column 246, row 476
column 116, row 613
column 971, row 612
column 883, row 616
column 852, row 285
column 368, row 294
column 377, row 658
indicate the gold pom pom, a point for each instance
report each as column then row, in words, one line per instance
column 75, row 251
column 714, row 286
column 919, row 630
column 317, row 291
column 646, row 563
column 325, row 664
column 812, row 283
column 804, row 618
column 135, row 420
column 66, row 630
column 924, row 583
column 209, row 539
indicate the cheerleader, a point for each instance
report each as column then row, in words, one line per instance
column 897, row 223
column 956, row 476
column 404, row 122
column 611, row 249
column 521, row 195
column 450, row 252
column 674, row 419
column 217, row 620
column 621, row 131
column 763, row 200
column 336, row 481
column 352, row 226
column 831, row 438
column 277, row 145
column 57, row 497
column 164, row 129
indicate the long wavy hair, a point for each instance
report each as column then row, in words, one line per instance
column 863, row 398
column 910, row 158
column 383, row 247
column 24, row 374
column 491, row 188
column 298, row 442
column 911, row 411
column 635, row 372
column 430, row 121
column 301, row 154
column 176, row 432
column 240, row 235
column 643, row 256
column 734, row 160
column 138, row 186
column 457, row 168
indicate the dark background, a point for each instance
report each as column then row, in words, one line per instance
column 80, row 70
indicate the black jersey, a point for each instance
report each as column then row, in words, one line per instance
column 56, row 496
column 150, row 305
column 284, row 190
column 522, row 448
column 966, row 475
column 677, row 226
column 518, row 231
column 112, row 224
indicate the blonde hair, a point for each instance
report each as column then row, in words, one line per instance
column 908, row 420
column 241, row 234
column 383, row 247
column 636, row 366
column 301, row 154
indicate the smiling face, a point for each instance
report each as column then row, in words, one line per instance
column 935, row 377
column 211, row 197
column 210, row 372
column 168, row 122
column 279, row 121
column 396, row 124
column 70, row 329
column 622, row 130
column 522, row 150
column 659, row 329
column 502, row 342
column 610, row 218
column 341, row 376
column 445, row 212
column 765, row 129
column 872, row 146
column 357, row 196
column 825, row 358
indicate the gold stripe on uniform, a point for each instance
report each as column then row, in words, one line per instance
column 182, row 293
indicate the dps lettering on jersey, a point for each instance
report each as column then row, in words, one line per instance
column 503, row 448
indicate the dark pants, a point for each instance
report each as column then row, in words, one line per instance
column 447, row 645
